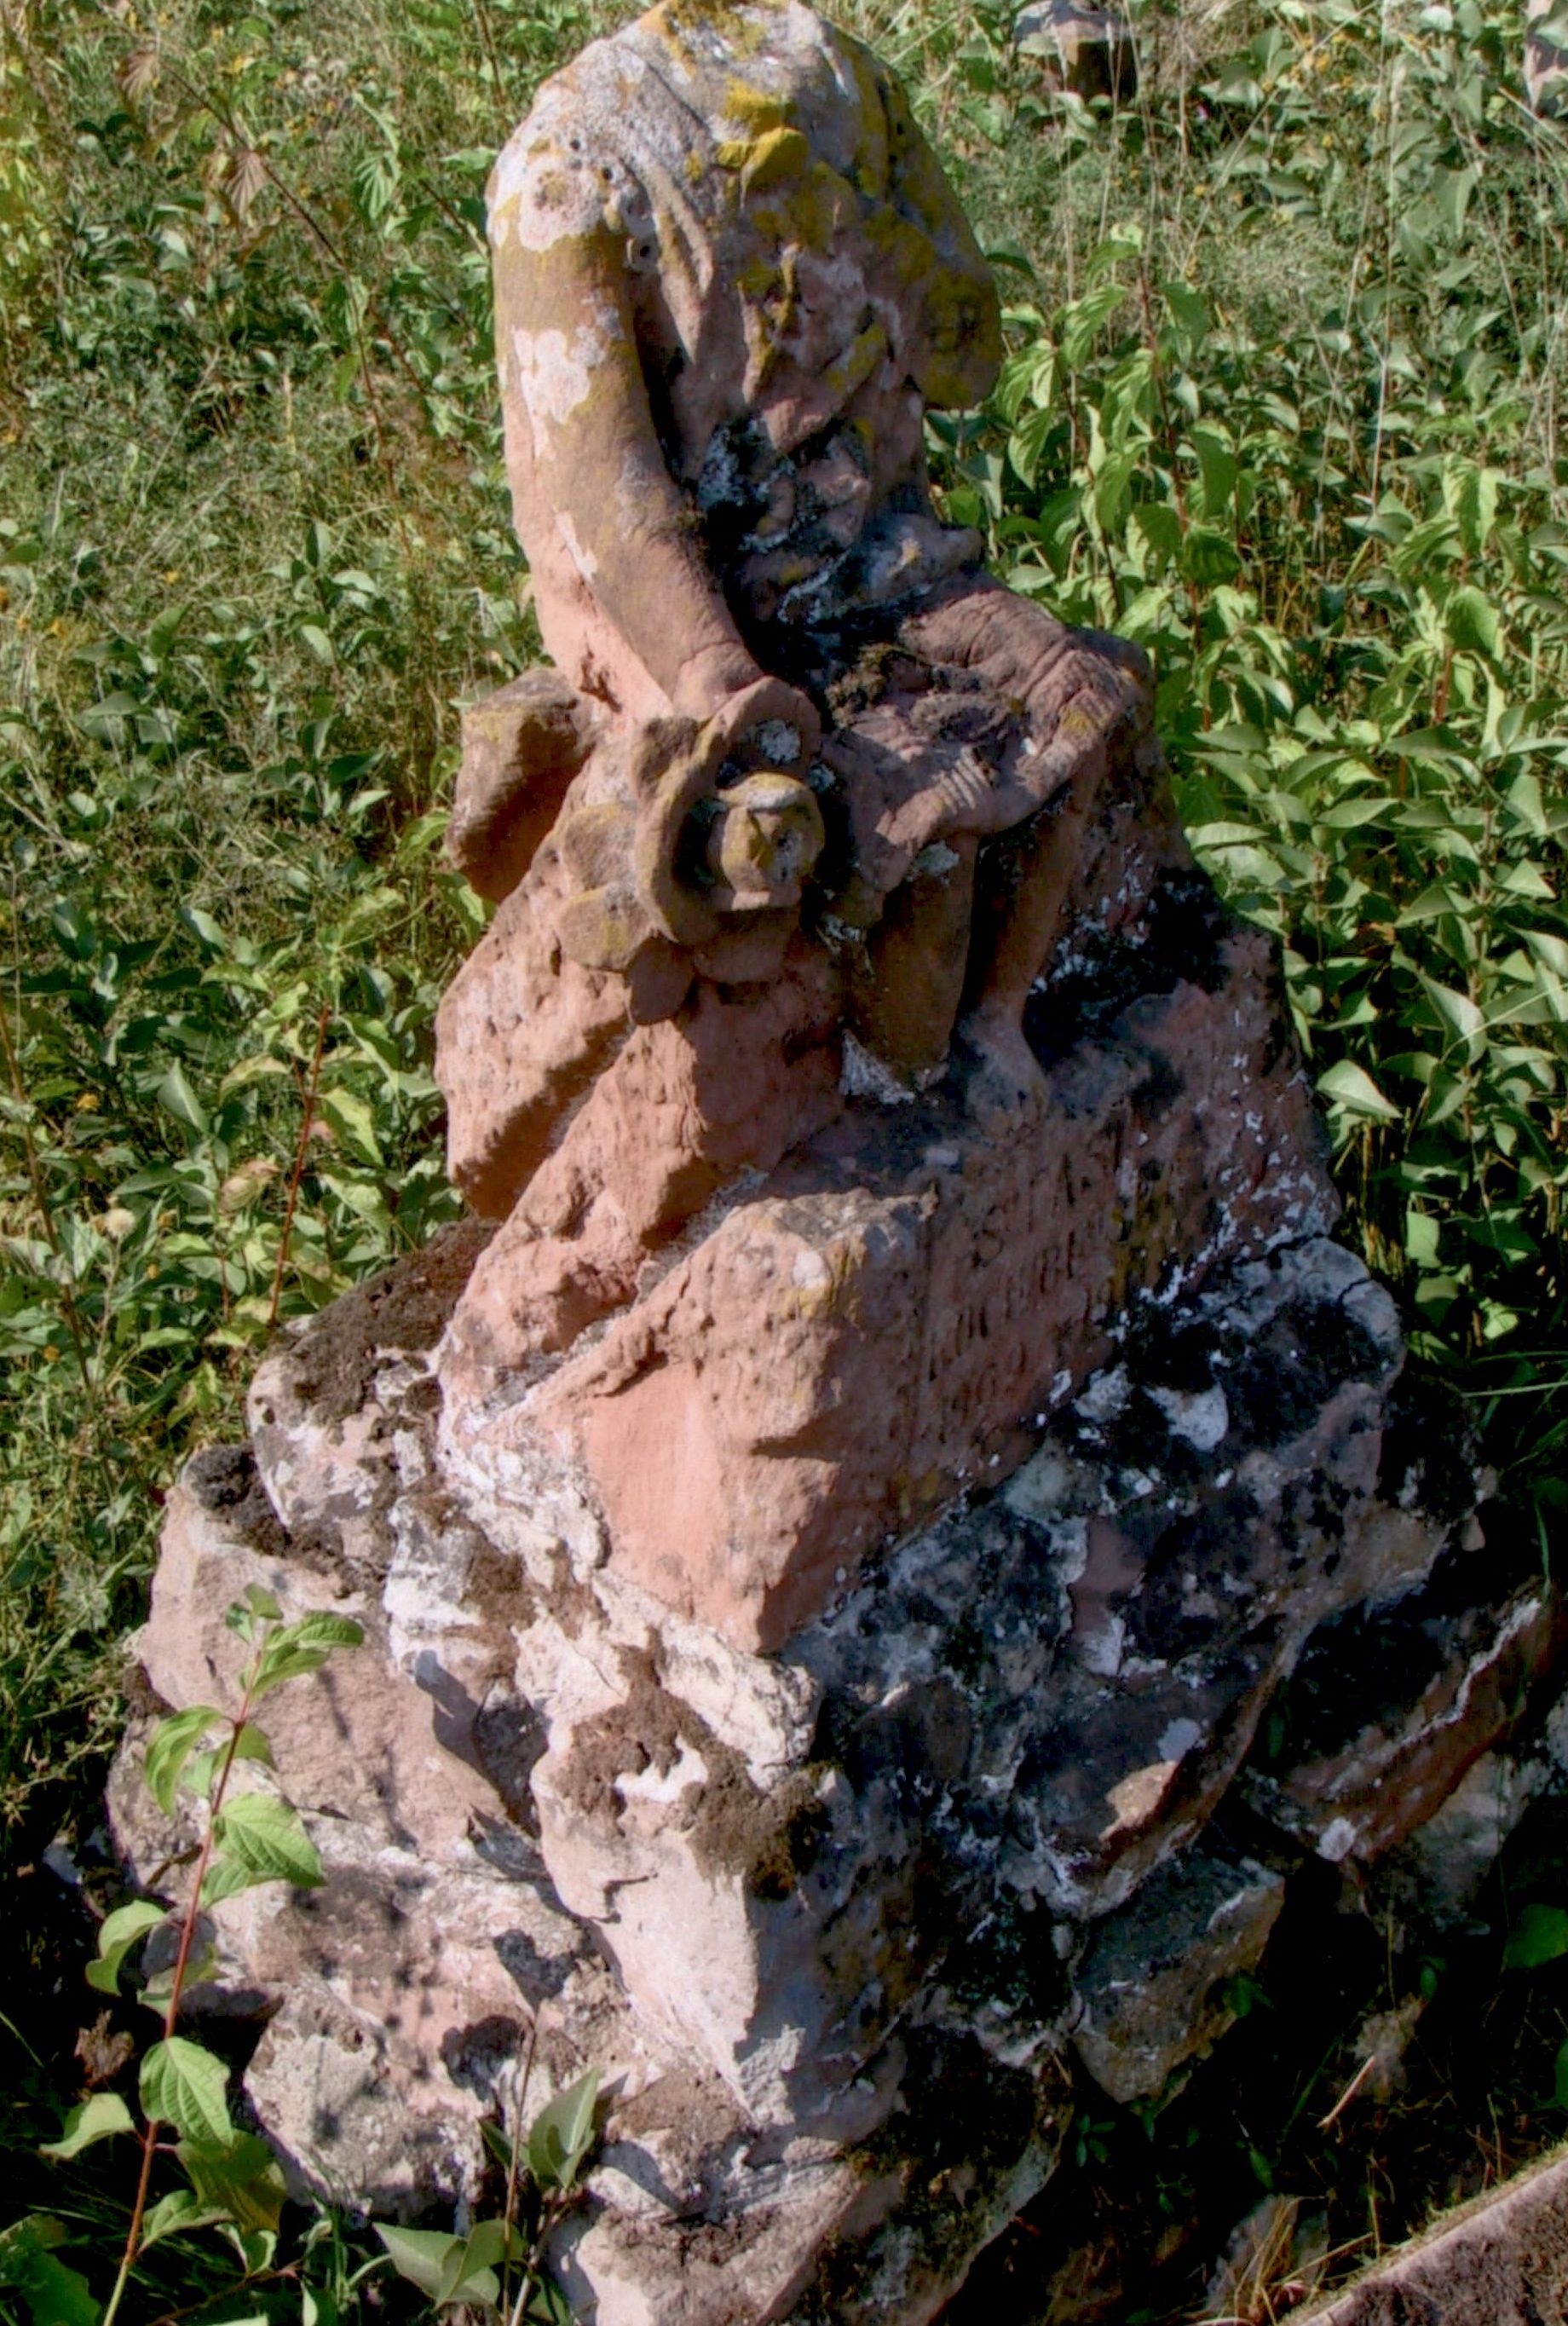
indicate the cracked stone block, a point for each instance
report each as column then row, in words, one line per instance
column 1153, row 1983
column 917, row 1841
column 880, row 1323
column 1393, row 1707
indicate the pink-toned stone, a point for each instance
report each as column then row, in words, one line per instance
column 885, row 1319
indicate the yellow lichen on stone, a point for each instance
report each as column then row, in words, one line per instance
column 602, row 929
column 777, row 153
column 743, row 31
column 755, row 108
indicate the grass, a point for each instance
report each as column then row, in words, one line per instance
column 1284, row 402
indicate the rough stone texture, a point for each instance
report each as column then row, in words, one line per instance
column 935, row 1846
column 884, row 1319
column 1154, row 1983
column 1389, row 1716
column 1500, row 2261
column 1089, row 51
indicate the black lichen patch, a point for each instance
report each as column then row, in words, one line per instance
column 1179, row 939
column 333, row 1364
column 225, row 1480
column 968, row 2125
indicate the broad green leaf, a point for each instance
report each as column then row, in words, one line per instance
column 1351, row 1086
column 243, row 2179
column 1027, row 441
column 1208, row 557
column 182, row 2084
column 1189, row 313
column 488, row 2244
column 1349, row 815
column 1161, row 528
column 252, row 1744
column 1451, row 190
column 55, row 2295
column 1460, row 1014
column 1539, row 1936
column 467, row 2276
column 203, row 928
column 177, row 1098
column 1218, row 468
column 178, row 2211
column 1085, row 318
column 98, row 2118
column 422, row 2255
column 228, row 1877
column 264, row 1835
column 305, row 1647
column 118, row 1934
column 1472, row 623
column 562, row 2133
column 171, row 1745
column 1421, row 1237
column 351, row 1117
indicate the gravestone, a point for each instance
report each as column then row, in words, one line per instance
column 1088, row 51
column 828, row 1529
column 1545, row 58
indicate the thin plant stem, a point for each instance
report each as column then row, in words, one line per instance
column 191, row 1916
column 302, row 1152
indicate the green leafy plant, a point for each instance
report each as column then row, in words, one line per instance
column 499, row 2267
column 231, row 2181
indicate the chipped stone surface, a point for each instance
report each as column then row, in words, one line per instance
column 1391, row 1709
column 1153, row 1983
column 939, row 1843
column 883, row 1319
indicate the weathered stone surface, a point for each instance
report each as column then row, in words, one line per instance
column 917, row 1834
column 320, row 1405
column 1153, row 1985
column 1500, row 2261
column 1437, row 1871
column 885, row 1319
column 1391, row 1707
column 1092, row 51
column 521, row 746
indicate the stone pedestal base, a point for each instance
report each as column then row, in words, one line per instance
column 844, row 1926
